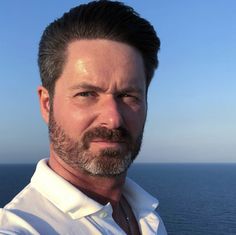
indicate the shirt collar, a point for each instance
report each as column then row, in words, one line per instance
column 61, row 193
column 141, row 202
column 76, row 204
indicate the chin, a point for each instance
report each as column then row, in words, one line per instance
column 108, row 166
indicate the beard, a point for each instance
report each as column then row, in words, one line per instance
column 108, row 162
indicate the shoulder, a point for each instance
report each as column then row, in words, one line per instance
column 11, row 223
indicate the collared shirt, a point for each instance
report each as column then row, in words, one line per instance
column 50, row 205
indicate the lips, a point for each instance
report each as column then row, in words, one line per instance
column 107, row 143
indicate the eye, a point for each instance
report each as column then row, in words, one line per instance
column 129, row 97
column 86, row 94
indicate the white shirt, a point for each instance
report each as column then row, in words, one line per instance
column 50, row 205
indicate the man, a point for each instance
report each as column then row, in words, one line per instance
column 96, row 63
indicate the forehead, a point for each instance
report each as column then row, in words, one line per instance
column 103, row 61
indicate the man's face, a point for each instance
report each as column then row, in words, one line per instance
column 99, row 108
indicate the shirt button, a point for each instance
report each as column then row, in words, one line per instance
column 103, row 214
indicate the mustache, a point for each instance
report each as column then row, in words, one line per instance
column 103, row 133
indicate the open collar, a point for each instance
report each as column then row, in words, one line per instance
column 61, row 193
column 76, row 204
column 141, row 201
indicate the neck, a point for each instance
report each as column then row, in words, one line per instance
column 101, row 189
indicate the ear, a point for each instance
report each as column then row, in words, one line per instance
column 44, row 101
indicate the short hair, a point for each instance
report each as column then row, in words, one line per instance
column 102, row 19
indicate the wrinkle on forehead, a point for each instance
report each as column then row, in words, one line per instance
column 106, row 64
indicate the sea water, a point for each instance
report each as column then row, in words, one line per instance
column 194, row 199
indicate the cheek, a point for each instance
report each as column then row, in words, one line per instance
column 135, row 121
column 74, row 121
column 79, row 122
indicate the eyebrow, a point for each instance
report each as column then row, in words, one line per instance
column 133, row 89
column 88, row 86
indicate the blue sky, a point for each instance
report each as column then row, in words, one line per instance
column 192, row 99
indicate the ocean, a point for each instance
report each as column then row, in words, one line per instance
column 194, row 199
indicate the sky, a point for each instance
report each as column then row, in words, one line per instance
column 192, row 98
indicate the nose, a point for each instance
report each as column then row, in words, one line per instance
column 111, row 115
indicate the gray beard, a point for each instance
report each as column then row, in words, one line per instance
column 109, row 162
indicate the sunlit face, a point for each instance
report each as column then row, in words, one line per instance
column 99, row 107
